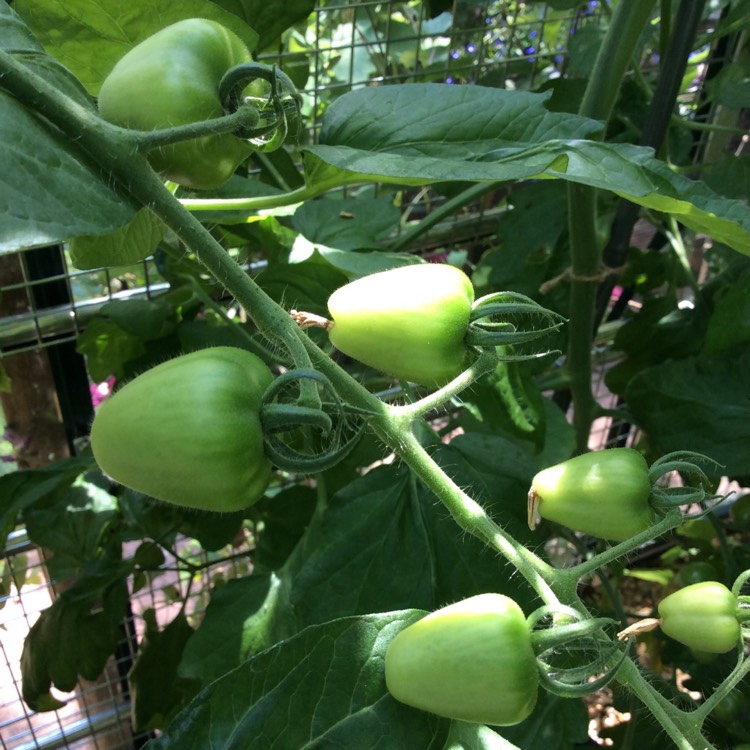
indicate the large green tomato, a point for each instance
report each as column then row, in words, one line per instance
column 172, row 78
column 702, row 616
column 602, row 493
column 188, row 431
column 470, row 661
column 409, row 322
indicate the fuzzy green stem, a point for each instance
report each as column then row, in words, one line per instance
column 470, row 515
column 671, row 521
column 684, row 731
column 486, row 362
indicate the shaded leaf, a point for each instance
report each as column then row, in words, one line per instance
column 21, row 489
column 416, row 134
column 354, row 224
column 698, row 405
column 243, row 618
column 329, row 678
column 156, row 690
column 124, row 246
column 73, row 637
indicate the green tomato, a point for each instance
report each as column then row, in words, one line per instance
column 172, row 78
column 470, row 661
column 409, row 322
column 702, row 616
column 602, row 493
column 696, row 572
column 739, row 512
column 188, row 431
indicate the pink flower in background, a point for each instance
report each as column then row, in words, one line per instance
column 100, row 391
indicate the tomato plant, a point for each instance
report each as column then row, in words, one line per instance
column 172, row 78
column 418, row 499
column 702, row 616
column 409, row 322
column 471, row 661
column 188, row 431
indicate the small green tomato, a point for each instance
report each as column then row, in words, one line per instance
column 702, row 616
column 470, row 661
column 602, row 493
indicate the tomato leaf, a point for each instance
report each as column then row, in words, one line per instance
column 124, row 246
column 329, row 678
column 415, row 134
column 354, row 224
column 74, row 636
column 699, row 405
column 155, row 688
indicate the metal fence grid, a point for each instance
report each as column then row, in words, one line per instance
column 347, row 45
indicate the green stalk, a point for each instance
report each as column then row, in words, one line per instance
column 447, row 209
column 681, row 727
column 612, row 62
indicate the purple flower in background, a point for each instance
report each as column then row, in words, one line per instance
column 470, row 48
column 100, row 391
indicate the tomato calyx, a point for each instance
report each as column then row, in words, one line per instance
column 575, row 656
column 304, row 437
column 696, row 488
column 507, row 319
column 278, row 110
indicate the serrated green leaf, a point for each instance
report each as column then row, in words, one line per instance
column 75, row 526
column 729, row 324
column 146, row 319
column 108, row 349
column 270, row 17
column 304, row 286
column 48, row 192
column 124, row 246
column 73, row 637
column 329, row 678
column 21, row 489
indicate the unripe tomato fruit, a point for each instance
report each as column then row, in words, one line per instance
column 739, row 512
column 470, row 661
column 172, row 78
column 602, row 493
column 188, row 431
column 696, row 572
column 409, row 322
column 702, row 616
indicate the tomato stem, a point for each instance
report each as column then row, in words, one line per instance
column 244, row 118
